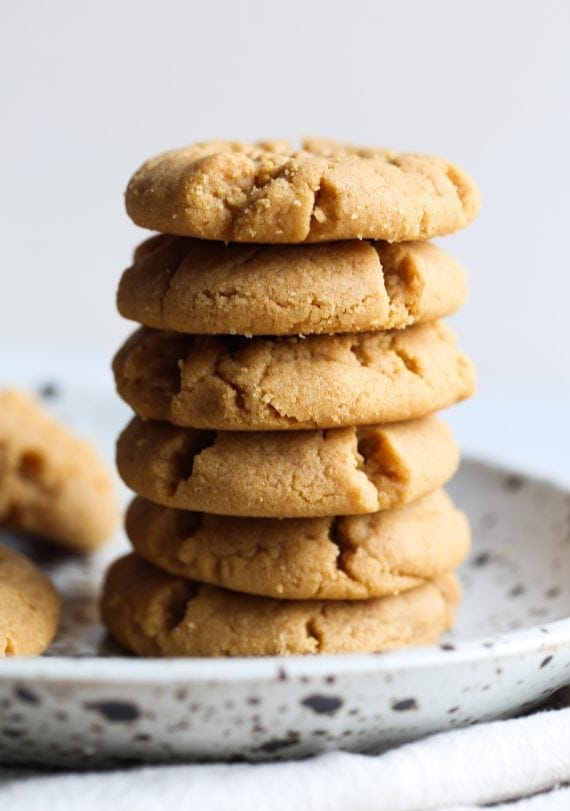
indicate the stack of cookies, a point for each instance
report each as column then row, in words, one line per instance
column 285, row 454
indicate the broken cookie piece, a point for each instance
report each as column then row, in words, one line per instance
column 52, row 484
column 29, row 606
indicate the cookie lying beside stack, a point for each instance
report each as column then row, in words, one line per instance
column 54, row 486
column 284, row 452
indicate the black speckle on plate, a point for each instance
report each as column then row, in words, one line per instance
column 276, row 744
column 545, row 661
column 322, row 704
column 482, row 559
column 25, row 695
column 513, row 482
column 405, row 704
column 114, row 711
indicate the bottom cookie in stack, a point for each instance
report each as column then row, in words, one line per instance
column 205, row 585
column 156, row 614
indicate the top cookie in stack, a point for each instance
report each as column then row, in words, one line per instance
column 270, row 193
column 330, row 416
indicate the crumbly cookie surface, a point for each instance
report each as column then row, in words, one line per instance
column 343, row 558
column 201, row 287
column 271, row 192
column 29, row 606
column 156, row 614
column 265, row 384
column 51, row 483
column 287, row 474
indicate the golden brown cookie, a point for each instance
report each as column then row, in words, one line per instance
column 29, row 606
column 272, row 384
column 156, row 614
column 271, row 192
column 51, row 483
column 200, row 287
column 287, row 474
column 350, row 558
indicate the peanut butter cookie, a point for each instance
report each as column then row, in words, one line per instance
column 287, row 474
column 156, row 614
column 271, row 192
column 350, row 558
column 200, row 287
column 51, row 483
column 272, row 384
column 29, row 606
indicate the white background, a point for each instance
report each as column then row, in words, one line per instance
column 89, row 90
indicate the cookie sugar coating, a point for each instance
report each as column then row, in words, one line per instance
column 157, row 614
column 271, row 192
column 201, row 287
column 29, row 606
column 51, row 483
column 287, row 474
column 321, row 381
column 355, row 557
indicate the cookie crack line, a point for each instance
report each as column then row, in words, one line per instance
column 183, row 469
column 317, row 214
column 387, row 480
column 451, row 173
column 169, row 286
column 238, row 391
column 312, row 633
column 344, row 547
column 409, row 362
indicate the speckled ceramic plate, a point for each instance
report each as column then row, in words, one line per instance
column 87, row 703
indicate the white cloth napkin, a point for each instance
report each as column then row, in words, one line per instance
column 456, row 771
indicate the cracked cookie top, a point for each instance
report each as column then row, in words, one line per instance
column 342, row 558
column 287, row 474
column 202, row 287
column 290, row 383
column 156, row 614
column 271, row 192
